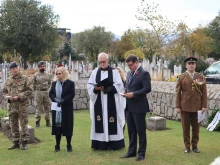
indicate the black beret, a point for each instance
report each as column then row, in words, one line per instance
column 13, row 64
column 40, row 63
column 190, row 59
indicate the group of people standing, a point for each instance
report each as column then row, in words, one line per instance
column 17, row 91
column 114, row 101
column 109, row 102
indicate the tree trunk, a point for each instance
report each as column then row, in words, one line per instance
column 25, row 62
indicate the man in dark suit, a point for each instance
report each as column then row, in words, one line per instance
column 138, row 84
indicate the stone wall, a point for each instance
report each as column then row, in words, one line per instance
column 80, row 101
column 161, row 99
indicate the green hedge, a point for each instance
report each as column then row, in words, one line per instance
column 211, row 117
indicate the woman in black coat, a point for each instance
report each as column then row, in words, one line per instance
column 62, row 92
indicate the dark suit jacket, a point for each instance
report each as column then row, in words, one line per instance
column 140, row 85
column 67, row 95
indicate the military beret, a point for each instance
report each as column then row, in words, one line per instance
column 190, row 59
column 13, row 64
column 40, row 63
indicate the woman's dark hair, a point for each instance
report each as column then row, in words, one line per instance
column 132, row 58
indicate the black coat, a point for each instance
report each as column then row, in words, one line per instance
column 68, row 93
column 140, row 85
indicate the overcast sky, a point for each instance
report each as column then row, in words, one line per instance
column 119, row 15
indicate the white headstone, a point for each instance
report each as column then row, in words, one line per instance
column 177, row 69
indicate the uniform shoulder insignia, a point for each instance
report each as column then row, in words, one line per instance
column 183, row 74
column 199, row 74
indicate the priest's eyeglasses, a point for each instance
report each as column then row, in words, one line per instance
column 102, row 62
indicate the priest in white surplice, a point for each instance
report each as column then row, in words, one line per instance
column 106, row 107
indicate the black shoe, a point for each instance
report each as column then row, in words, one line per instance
column 140, row 158
column 196, row 150
column 15, row 145
column 187, row 150
column 69, row 148
column 48, row 123
column 128, row 155
column 57, row 148
column 24, row 145
column 37, row 124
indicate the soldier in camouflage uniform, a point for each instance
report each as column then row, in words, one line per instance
column 17, row 90
column 41, row 83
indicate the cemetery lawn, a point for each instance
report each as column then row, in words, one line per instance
column 164, row 147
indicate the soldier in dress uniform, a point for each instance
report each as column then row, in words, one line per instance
column 41, row 83
column 17, row 90
column 191, row 96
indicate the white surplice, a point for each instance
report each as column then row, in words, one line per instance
column 120, row 103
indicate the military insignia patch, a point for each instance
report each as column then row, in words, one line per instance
column 98, row 118
column 199, row 81
column 111, row 119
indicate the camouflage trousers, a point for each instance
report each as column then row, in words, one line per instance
column 42, row 103
column 18, row 115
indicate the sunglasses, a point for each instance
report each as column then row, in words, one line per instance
column 58, row 73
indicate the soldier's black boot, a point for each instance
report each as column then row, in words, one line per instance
column 37, row 124
column 24, row 145
column 15, row 145
column 48, row 123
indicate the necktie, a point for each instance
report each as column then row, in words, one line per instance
column 131, row 76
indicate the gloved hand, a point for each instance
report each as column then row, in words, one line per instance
column 60, row 103
column 57, row 100
column 107, row 90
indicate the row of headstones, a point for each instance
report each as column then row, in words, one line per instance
column 85, row 70
column 156, row 64
column 3, row 73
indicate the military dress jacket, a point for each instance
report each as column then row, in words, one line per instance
column 191, row 93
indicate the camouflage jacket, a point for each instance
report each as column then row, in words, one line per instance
column 41, row 81
column 18, row 85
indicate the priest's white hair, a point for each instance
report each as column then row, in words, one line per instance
column 103, row 54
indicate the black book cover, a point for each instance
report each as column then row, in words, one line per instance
column 105, row 82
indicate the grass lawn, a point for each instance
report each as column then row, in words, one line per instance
column 164, row 147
